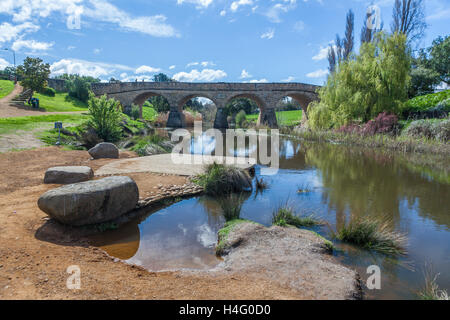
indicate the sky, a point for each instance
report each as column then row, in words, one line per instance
column 190, row 40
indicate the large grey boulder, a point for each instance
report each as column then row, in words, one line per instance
column 66, row 175
column 91, row 202
column 104, row 150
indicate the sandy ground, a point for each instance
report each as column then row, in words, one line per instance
column 32, row 268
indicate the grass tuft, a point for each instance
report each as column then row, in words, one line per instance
column 219, row 179
column 285, row 216
column 373, row 235
column 431, row 290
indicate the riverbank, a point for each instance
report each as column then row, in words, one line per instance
column 33, row 265
column 394, row 143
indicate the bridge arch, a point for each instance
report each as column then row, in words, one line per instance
column 303, row 99
column 267, row 116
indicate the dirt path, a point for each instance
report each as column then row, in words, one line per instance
column 32, row 268
column 8, row 111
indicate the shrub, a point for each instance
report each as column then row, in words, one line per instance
column 422, row 103
column 431, row 289
column 150, row 145
column 105, row 117
column 383, row 123
column 429, row 129
column 285, row 216
column 441, row 130
column 240, row 118
column 135, row 112
column 79, row 88
column 48, row 91
column 219, row 179
column 373, row 235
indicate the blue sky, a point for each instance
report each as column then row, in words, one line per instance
column 190, row 40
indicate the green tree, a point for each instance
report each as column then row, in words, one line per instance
column 440, row 58
column 105, row 117
column 431, row 67
column 33, row 74
column 376, row 80
column 160, row 104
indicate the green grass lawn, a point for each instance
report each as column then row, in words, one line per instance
column 6, row 87
column 61, row 102
column 284, row 118
column 45, row 122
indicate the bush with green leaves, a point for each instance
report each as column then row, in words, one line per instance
column 423, row 103
column 105, row 117
column 135, row 112
column 365, row 85
column 429, row 129
column 240, row 118
column 48, row 91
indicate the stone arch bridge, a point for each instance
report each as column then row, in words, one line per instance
column 266, row 96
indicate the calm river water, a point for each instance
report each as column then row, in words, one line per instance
column 343, row 182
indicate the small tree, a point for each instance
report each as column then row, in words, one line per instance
column 34, row 74
column 105, row 117
column 377, row 80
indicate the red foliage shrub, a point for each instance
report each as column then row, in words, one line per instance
column 384, row 123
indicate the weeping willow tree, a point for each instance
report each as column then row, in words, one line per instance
column 365, row 85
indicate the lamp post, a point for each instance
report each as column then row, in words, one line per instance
column 14, row 57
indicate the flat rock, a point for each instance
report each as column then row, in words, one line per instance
column 91, row 202
column 184, row 165
column 104, row 150
column 67, row 175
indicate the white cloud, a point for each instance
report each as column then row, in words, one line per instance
column 236, row 4
column 318, row 73
column 172, row 67
column 10, row 32
column 204, row 75
column 32, row 45
column 200, row 4
column 4, row 64
column 223, row 13
column 274, row 12
column 204, row 64
column 147, row 69
column 245, row 74
column 289, row 79
column 97, row 51
column 264, row 80
column 87, row 68
column 268, row 35
column 100, row 10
